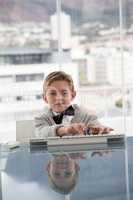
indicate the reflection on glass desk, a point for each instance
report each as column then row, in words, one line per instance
column 94, row 174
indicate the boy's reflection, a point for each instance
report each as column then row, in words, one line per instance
column 63, row 170
column 63, row 173
column 100, row 153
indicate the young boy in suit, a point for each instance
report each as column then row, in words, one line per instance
column 61, row 117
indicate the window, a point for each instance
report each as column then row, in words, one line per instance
column 19, row 98
column 29, row 77
column 6, row 79
column 92, row 43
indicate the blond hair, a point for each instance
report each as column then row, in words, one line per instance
column 58, row 76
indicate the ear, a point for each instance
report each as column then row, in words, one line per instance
column 44, row 98
column 48, row 166
column 73, row 94
column 77, row 167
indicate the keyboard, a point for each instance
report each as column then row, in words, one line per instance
column 79, row 140
column 86, row 139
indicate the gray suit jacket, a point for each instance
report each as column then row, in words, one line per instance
column 46, row 127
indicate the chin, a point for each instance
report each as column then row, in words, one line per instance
column 59, row 110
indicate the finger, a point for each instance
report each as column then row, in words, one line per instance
column 107, row 130
column 73, row 130
column 96, row 130
column 110, row 129
column 80, row 131
column 101, row 131
column 79, row 128
column 76, row 130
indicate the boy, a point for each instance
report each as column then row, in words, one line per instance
column 60, row 117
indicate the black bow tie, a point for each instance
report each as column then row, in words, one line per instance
column 58, row 118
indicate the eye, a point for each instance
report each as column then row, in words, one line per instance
column 65, row 93
column 67, row 174
column 52, row 93
column 56, row 174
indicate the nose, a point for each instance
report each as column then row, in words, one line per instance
column 59, row 96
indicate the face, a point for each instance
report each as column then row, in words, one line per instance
column 59, row 96
column 62, row 170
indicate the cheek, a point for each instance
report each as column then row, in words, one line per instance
column 70, row 98
column 47, row 99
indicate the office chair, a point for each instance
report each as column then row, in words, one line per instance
column 25, row 130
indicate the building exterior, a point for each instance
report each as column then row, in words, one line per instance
column 61, row 28
column 117, row 65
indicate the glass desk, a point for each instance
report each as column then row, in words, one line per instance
column 37, row 174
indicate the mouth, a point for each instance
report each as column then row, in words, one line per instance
column 60, row 105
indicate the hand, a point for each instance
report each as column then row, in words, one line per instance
column 72, row 129
column 99, row 129
column 78, row 155
column 76, row 129
column 100, row 153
